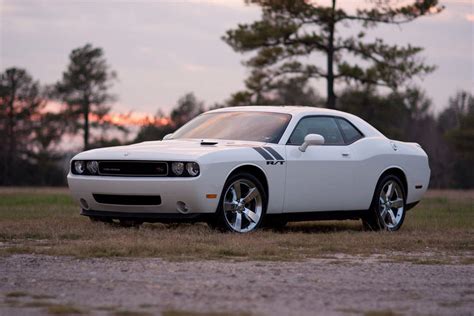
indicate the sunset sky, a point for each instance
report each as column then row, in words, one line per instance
column 162, row 49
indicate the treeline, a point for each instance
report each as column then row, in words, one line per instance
column 35, row 119
column 33, row 134
column 38, row 122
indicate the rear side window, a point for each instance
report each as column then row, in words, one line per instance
column 323, row 125
column 350, row 133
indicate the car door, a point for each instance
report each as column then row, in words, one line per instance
column 321, row 178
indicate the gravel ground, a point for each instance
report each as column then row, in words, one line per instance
column 338, row 286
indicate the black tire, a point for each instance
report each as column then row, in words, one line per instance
column 219, row 220
column 373, row 221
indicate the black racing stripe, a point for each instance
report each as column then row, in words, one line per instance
column 274, row 153
column 263, row 153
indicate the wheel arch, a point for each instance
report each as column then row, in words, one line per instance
column 398, row 172
column 254, row 170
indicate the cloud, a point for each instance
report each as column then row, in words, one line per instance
column 194, row 67
column 6, row 8
column 234, row 4
column 458, row 1
column 145, row 50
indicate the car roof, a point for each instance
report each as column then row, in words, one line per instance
column 288, row 109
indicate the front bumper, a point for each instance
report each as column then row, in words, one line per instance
column 191, row 191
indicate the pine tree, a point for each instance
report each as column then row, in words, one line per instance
column 291, row 32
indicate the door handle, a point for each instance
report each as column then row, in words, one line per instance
column 346, row 155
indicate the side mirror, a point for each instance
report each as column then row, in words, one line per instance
column 311, row 140
column 168, row 136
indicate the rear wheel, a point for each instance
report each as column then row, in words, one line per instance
column 242, row 205
column 387, row 211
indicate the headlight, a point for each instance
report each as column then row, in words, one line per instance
column 192, row 168
column 93, row 167
column 177, row 168
column 79, row 167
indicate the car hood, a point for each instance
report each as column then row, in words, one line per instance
column 183, row 149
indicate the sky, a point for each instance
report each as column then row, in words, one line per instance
column 162, row 49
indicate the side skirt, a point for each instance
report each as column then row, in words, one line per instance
column 319, row 216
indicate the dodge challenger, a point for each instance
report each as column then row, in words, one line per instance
column 242, row 168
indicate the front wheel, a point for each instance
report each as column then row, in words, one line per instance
column 387, row 211
column 242, row 205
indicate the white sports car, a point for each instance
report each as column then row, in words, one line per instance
column 241, row 168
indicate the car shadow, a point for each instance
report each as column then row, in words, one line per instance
column 321, row 227
column 312, row 227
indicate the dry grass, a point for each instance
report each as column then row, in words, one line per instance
column 61, row 309
column 16, row 294
column 26, row 300
column 47, row 222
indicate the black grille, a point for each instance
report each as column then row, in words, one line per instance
column 133, row 168
column 128, row 199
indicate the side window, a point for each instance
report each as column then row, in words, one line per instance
column 322, row 125
column 350, row 133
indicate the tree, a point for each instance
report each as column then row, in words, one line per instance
column 398, row 115
column 45, row 155
column 287, row 91
column 290, row 32
column 156, row 128
column 459, row 106
column 462, row 134
column 85, row 88
column 20, row 105
column 457, row 124
column 187, row 108
column 376, row 109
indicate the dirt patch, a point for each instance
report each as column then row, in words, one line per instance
column 341, row 285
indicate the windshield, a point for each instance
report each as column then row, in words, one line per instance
column 252, row 126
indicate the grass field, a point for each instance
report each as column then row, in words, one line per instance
column 46, row 221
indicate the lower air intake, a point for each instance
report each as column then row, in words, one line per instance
column 128, row 199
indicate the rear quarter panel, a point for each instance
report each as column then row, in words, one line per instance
column 373, row 156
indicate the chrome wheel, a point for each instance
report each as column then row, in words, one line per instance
column 391, row 204
column 243, row 206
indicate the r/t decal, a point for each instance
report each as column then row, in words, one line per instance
column 281, row 162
